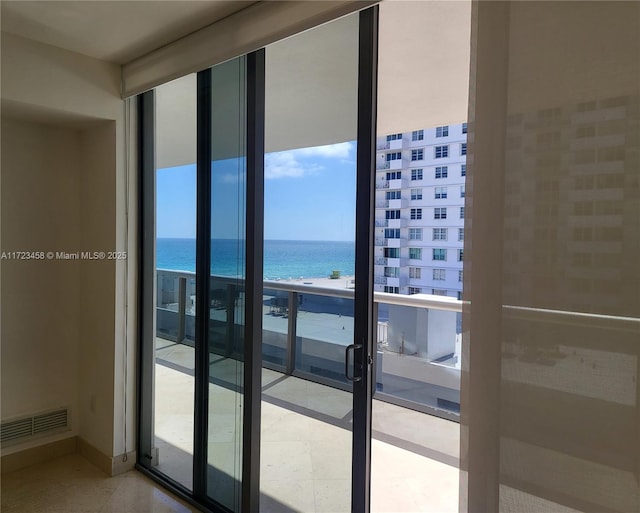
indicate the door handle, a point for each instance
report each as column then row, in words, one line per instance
column 348, row 349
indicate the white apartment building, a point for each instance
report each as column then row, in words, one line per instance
column 419, row 222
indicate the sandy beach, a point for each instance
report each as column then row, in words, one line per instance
column 344, row 282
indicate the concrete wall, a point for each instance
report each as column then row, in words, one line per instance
column 64, row 187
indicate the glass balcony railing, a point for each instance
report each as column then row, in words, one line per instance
column 306, row 329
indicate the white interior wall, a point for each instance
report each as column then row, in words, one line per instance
column 41, row 312
column 69, row 91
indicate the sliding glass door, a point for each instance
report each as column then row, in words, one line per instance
column 210, row 412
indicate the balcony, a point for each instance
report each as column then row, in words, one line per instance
column 382, row 223
column 381, row 164
column 382, row 185
column 306, row 398
column 398, row 203
column 394, row 243
column 397, row 262
column 381, row 241
column 396, row 223
column 382, row 204
column 380, row 261
column 397, row 164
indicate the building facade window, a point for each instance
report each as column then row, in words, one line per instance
column 392, row 252
column 392, row 290
column 415, row 272
column 396, row 155
column 441, row 152
column 460, row 255
column 442, row 131
column 415, row 233
column 463, row 149
column 464, row 128
column 439, row 292
column 391, row 195
column 461, row 212
column 415, row 253
column 439, row 274
column 439, row 234
column 417, row 154
column 416, row 213
column 394, row 175
column 414, row 290
column 463, row 170
column 460, row 234
column 394, row 137
column 392, row 272
column 392, row 233
column 440, row 192
column 439, row 213
column 417, row 135
column 392, row 214
column 442, row 172
column 439, row 254
column 416, row 194
column 416, row 174
column 462, row 191
column 460, row 276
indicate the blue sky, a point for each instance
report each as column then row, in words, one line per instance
column 309, row 195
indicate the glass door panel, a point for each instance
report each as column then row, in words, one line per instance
column 175, row 260
column 416, row 405
column 309, row 253
column 226, row 294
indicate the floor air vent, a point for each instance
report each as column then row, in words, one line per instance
column 42, row 423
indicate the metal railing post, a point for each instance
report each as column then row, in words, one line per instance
column 182, row 308
column 292, row 317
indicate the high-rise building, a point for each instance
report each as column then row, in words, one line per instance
column 419, row 222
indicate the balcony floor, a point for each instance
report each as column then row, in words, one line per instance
column 306, row 441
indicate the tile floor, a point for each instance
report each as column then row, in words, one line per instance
column 71, row 484
column 306, row 442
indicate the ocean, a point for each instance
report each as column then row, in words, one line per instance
column 282, row 258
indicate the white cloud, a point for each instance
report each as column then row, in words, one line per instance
column 232, row 178
column 285, row 165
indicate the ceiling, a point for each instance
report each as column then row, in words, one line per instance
column 114, row 31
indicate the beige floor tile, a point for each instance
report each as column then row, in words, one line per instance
column 72, row 485
column 287, row 495
column 332, row 495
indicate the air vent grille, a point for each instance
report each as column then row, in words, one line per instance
column 17, row 429
column 50, row 421
column 41, row 423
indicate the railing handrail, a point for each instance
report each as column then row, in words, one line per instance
column 450, row 304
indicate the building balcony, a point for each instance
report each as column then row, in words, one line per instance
column 397, row 164
column 398, row 203
column 397, row 262
column 397, row 184
column 382, row 223
column 396, row 144
column 382, row 184
column 382, row 204
column 394, row 243
column 380, row 261
column 396, row 223
column 380, row 280
column 381, row 164
column 381, row 241
column 416, row 375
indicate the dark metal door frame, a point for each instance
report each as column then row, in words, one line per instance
column 365, row 346
column 363, row 302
